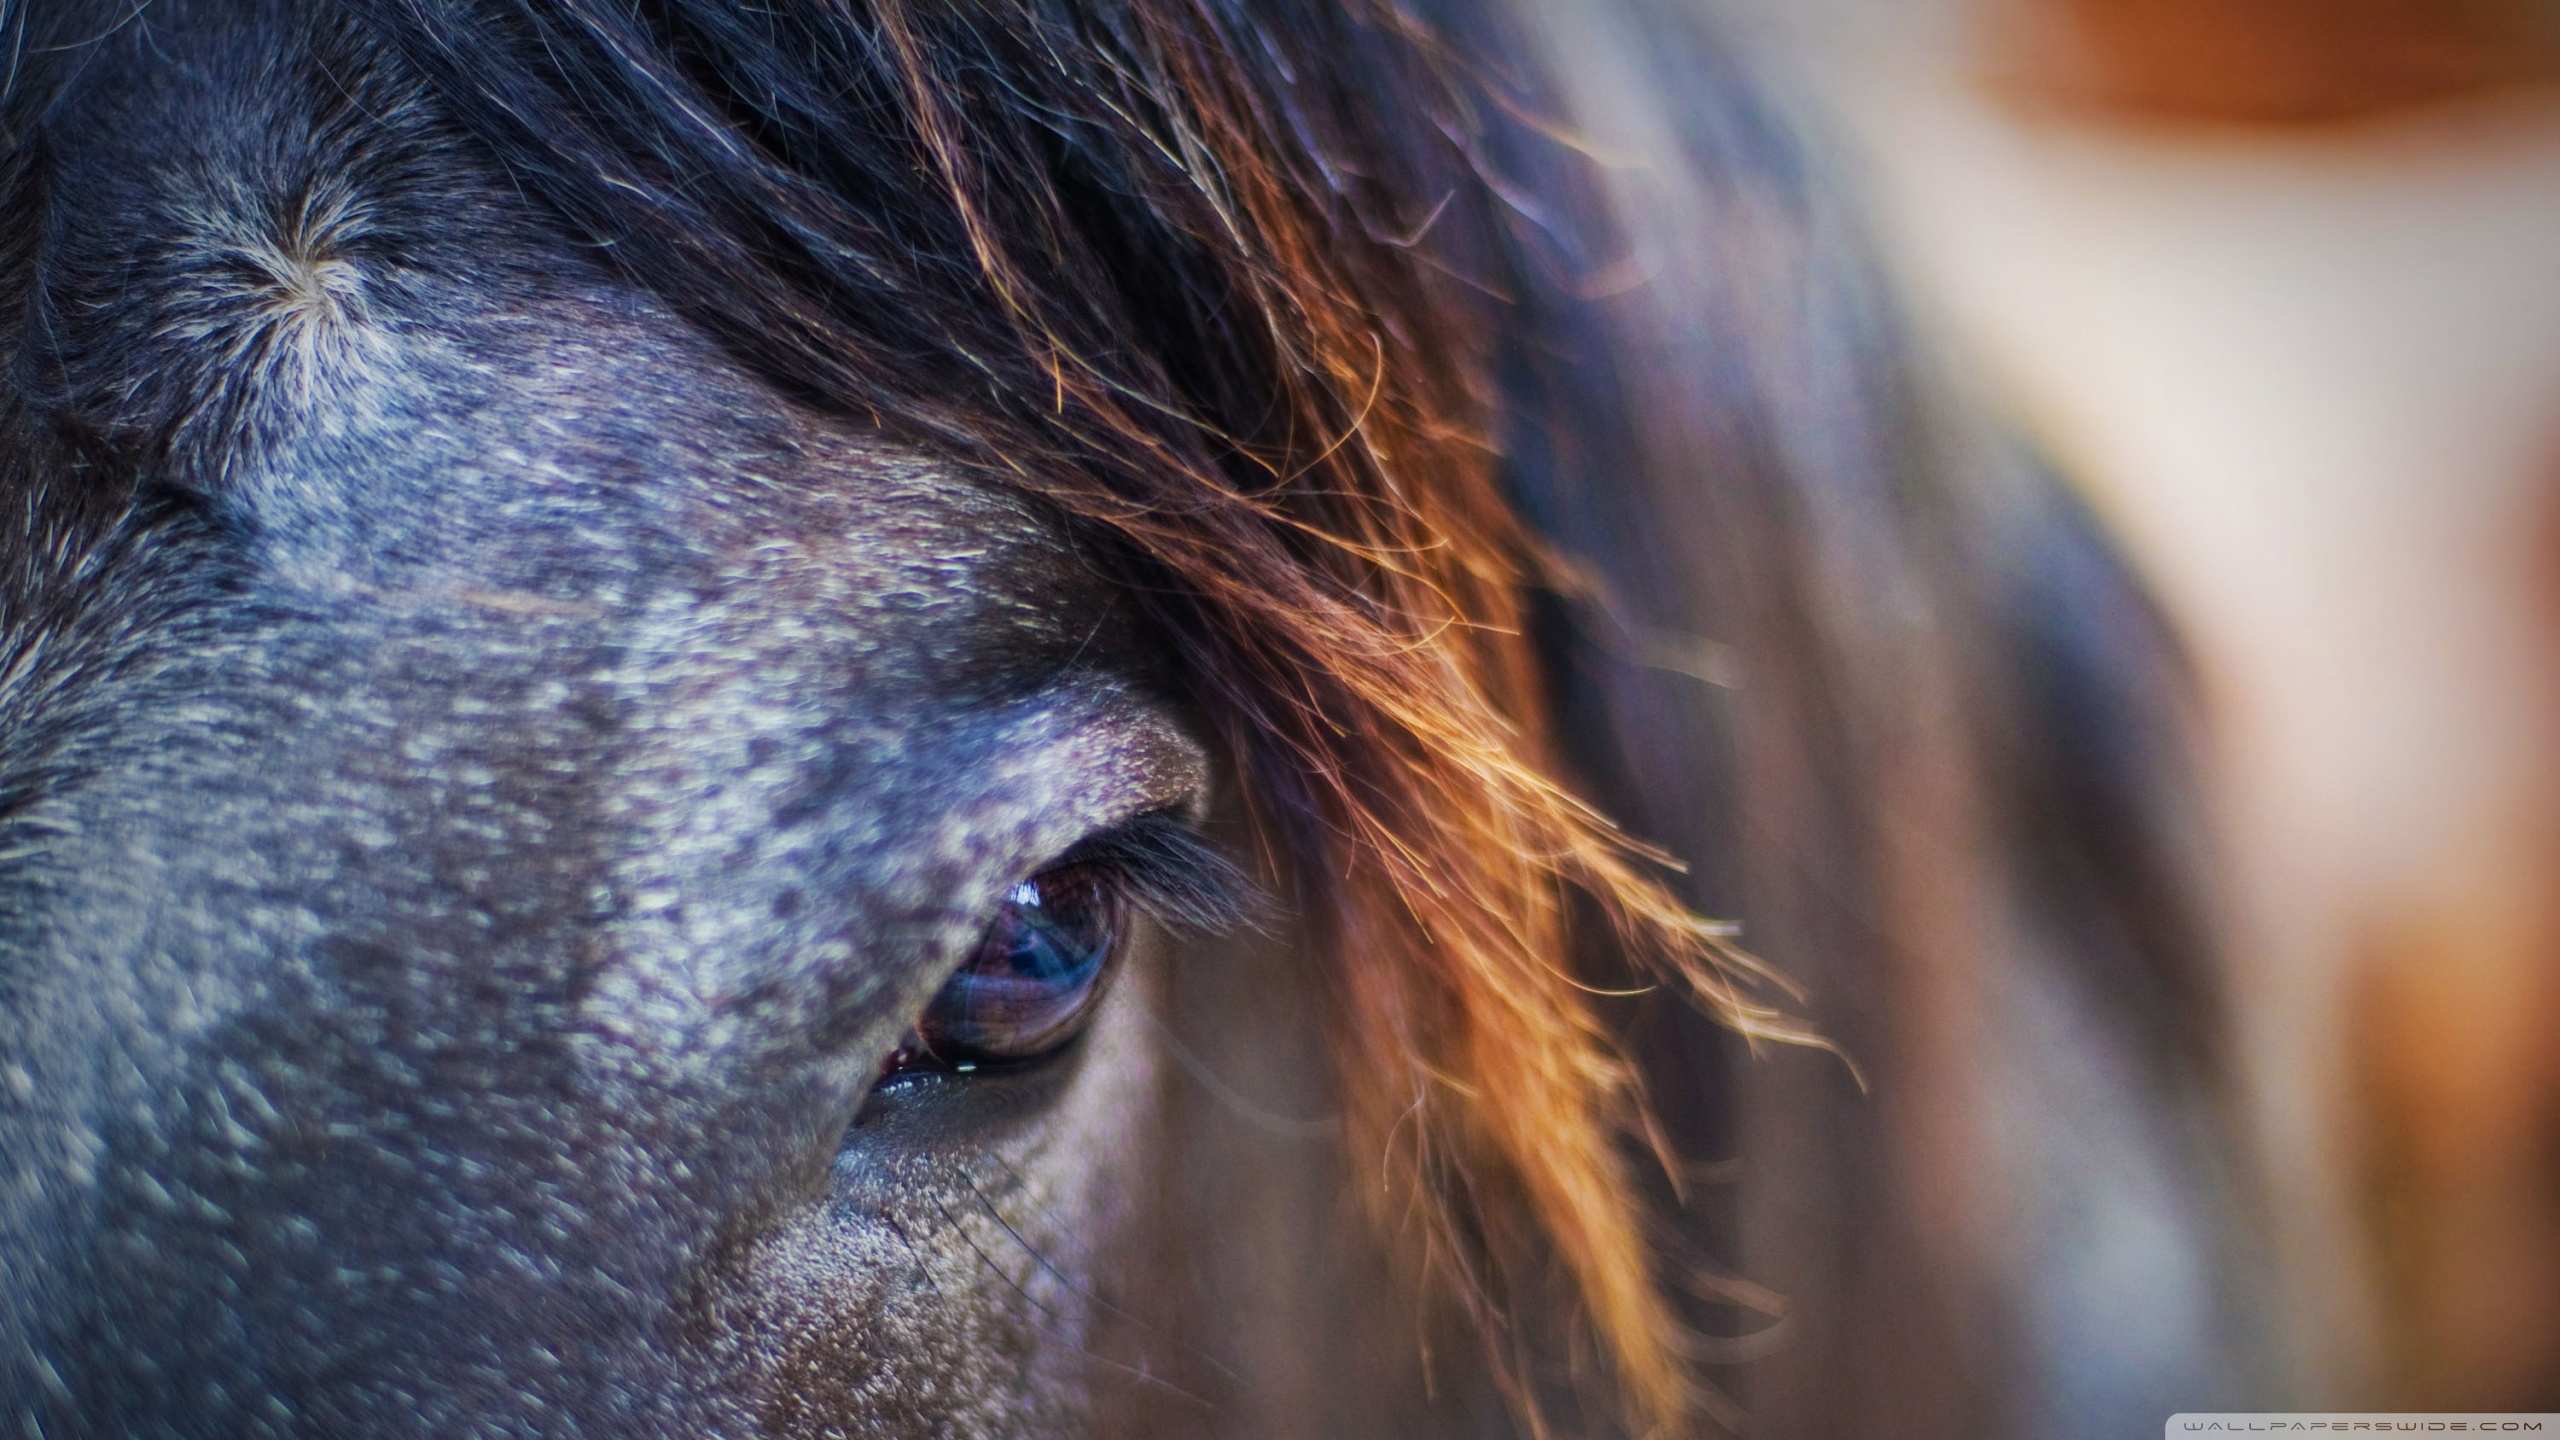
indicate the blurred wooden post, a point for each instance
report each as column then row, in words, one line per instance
column 2269, row 61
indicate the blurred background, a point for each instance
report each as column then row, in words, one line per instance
column 2277, row 283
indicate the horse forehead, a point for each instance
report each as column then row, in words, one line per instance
column 597, row 476
column 571, row 429
column 423, row 405
column 857, row 593
column 687, row 543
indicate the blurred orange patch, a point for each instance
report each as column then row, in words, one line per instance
column 2452, row 1026
column 2289, row 62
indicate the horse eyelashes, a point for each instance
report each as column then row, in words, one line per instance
column 1167, row 869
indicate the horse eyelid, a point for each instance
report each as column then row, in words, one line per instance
column 1171, row 872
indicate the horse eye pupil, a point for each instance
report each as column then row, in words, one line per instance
column 1057, row 929
column 1038, row 954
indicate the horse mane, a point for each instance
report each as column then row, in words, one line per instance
column 1472, row 453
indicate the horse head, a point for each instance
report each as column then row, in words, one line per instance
column 896, row 720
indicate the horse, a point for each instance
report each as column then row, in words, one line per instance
column 1048, row 717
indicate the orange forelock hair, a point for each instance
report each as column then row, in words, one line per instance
column 1356, row 623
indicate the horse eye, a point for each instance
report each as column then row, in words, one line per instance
column 1031, row 984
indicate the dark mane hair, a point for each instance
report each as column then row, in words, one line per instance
column 1496, row 421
